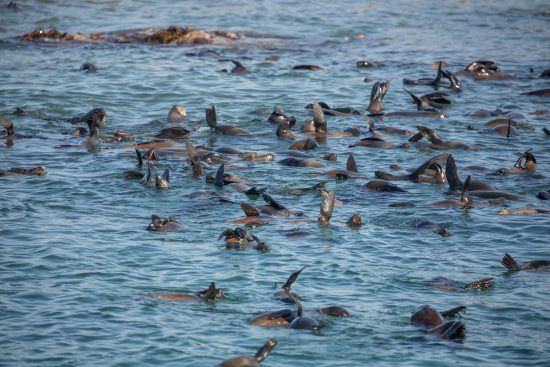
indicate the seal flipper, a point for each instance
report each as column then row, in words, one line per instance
column 416, row 137
column 166, row 175
column 480, row 284
column 211, row 118
column 139, row 158
column 465, row 195
column 327, row 206
column 249, row 210
column 264, row 351
column 319, row 120
column 292, row 278
column 351, row 165
column 453, row 311
column 452, row 174
column 419, row 171
column 509, row 263
column 415, row 99
column 210, row 294
column 219, row 176
column 271, row 202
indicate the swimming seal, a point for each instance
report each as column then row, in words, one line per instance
column 299, row 162
column 306, row 144
column 239, row 238
column 262, row 353
column 95, row 115
column 89, row 67
column 278, row 116
column 307, row 67
column 454, row 181
column 208, row 295
column 302, row 322
column 350, row 171
column 159, row 224
column 176, row 115
column 211, row 119
column 431, row 225
column 35, row 171
column 382, row 186
column 355, row 221
column 447, row 284
column 436, row 141
column 512, row 265
column 428, row 316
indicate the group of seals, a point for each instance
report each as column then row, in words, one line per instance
column 428, row 105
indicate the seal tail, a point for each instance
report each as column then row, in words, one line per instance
column 453, row 311
column 509, row 263
column 292, row 278
column 139, row 158
column 351, row 165
column 249, row 210
column 465, row 195
column 211, row 118
column 219, row 176
column 481, row 284
column 264, row 351
column 452, row 174
column 319, row 120
column 415, row 99
column 327, row 206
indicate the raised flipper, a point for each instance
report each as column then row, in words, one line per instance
column 264, row 351
column 351, row 165
column 166, row 175
column 465, row 195
column 249, row 210
column 327, row 206
column 454, row 82
column 415, row 99
column 419, row 171
column 480, row 284
column 416, row 137
column 271, row 202
column 319, row 120
column 453, row 311
column 509, row 263
column 254, row 192
column 139, row 158
column 452, row 174
column 292, row 278
column 219, row 176
column 211, row 118
column 210, row 294
column 437, row 81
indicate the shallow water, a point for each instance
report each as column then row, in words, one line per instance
column 76, row 261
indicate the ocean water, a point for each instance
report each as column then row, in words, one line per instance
column 76, row 263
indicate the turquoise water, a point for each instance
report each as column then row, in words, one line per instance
column 76, row 262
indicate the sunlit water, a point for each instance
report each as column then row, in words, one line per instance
column 76, row 261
